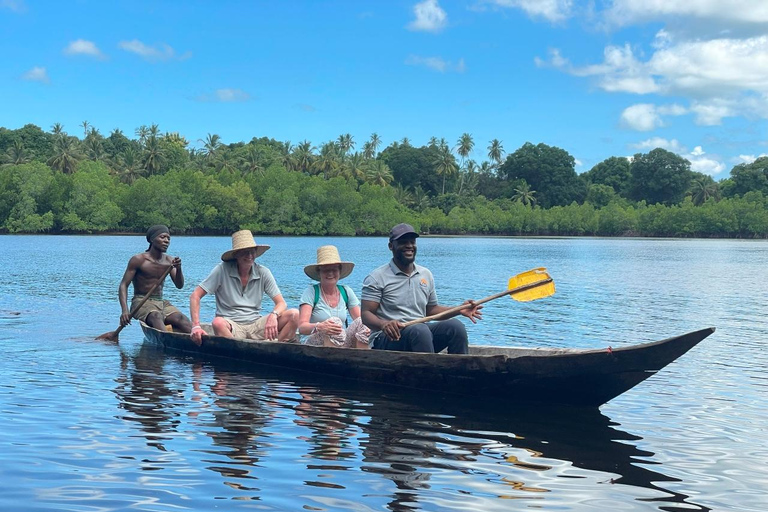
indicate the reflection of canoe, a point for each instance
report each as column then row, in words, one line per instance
column 542, row 375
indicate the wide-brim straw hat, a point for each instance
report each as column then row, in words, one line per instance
column 243, row 240
column 328, row 255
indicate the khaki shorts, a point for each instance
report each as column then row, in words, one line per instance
column 250, row 331
column 152, row 305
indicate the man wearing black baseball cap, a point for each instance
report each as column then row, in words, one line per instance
column 401, row 291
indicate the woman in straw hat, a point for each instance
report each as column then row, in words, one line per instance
column 240, row 284
column 325, row 305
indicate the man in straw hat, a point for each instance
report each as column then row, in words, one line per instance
column 324, row 306
column 239, row 284
column 144, row 271
column 401, row 291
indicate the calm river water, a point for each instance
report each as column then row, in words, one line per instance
column 92, row 426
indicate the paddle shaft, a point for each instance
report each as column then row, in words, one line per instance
column 460, row 307
column 147, row 295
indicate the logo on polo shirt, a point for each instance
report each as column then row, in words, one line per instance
column 423, row 282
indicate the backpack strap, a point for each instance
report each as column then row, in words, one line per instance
column 317, row 295
column 343, row 292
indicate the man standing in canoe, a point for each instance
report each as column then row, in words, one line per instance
column 401, row 291
column 239, row 284
column 144, row 271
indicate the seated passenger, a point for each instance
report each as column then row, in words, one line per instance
column 324, row 306
column 239, row 284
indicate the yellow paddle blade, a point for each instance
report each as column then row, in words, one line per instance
column 532, row 277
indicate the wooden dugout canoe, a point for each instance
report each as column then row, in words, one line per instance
column 580, row 377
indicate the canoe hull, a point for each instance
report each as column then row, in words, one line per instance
column 587, row 378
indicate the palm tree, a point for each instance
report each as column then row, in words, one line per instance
column 130, row 165
column 251, row 164
column 142, row 132
column 420, row 198
column 375, row 143
column 378, row 173
column 17, row 154
column 445, row 164
column 486, row 168
column 368, row 151
column 355, row 165
column 464, row 146
column 93, row 147
column 346, row 143
column 117, row 132
column 405, row 142
column 524, row 194
column 403, row 196
column 85, row 126
column 468, row 179
column 704, row 188
column 495, row 151
column 432, row 142
column 154, row 130
column 176, row 138
column 328, row 159
column 225, row 161
column 65, row 154
column 57, row 129
column 153, row 155
column 303, row 156
column 211, row 146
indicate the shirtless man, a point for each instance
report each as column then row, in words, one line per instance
column 144, row 270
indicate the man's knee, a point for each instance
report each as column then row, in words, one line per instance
column 221, row 326
column 290, row 316
column 418, row 338
column 458, row 339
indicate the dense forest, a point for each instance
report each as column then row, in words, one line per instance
column 55, row 182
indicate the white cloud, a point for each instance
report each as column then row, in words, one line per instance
column 161, row 52
column 226, row 95
column 703, row 69
column 642, row 117
column 551, row 10
column 17, row 6
column 704, row 164
column 699, row 162
column 436, row 64
column 647, row 116
column 660, row 142
column 83, row 47
column 37, row 74
column 747, row 159
column 430, row 17
column 627, row 12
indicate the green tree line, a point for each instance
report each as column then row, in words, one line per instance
column 54, row 182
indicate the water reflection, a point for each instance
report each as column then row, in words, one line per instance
column 433, row 454
column 145, row 391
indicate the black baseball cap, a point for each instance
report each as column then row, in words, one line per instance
column 401, row 230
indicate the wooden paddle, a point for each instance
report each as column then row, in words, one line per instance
column 524, row 287
column 112, row 335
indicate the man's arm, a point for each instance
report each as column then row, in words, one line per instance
column 375, row 323
column 472, row 311
column 122, row 290
column 177, row 276
column 194, row 313
column 271, row 327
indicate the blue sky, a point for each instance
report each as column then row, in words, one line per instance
column 596, row 78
